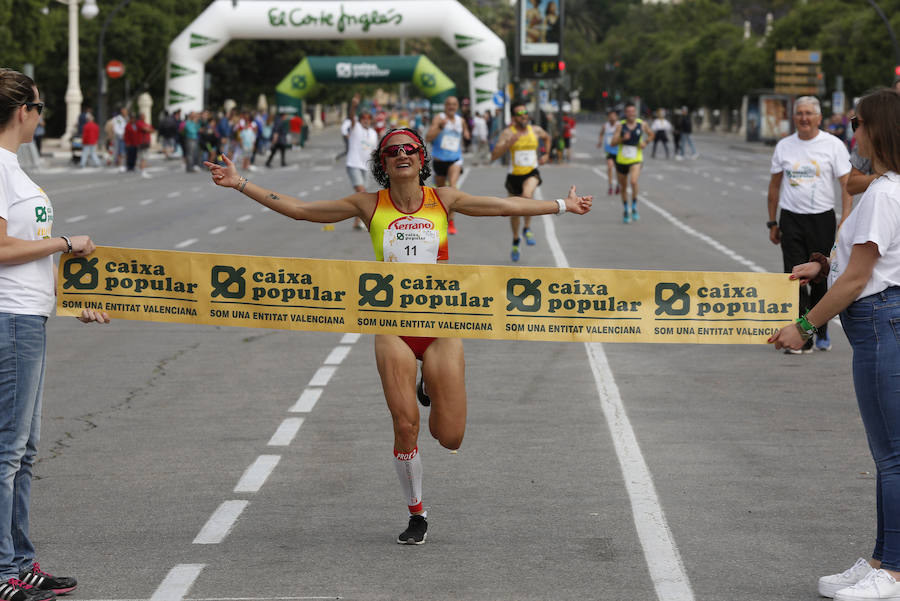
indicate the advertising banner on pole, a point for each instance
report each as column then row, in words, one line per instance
column 413, row 299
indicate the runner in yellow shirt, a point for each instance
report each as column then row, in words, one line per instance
column 631, row 136
column 520, row 140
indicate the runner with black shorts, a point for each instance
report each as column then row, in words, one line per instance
column 631, row 137
column 520, row 140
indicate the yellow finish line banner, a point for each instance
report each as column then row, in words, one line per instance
column 467, row 301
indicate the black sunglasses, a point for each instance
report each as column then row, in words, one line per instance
column 38, row 105
column 394, row 149
column 854, row 122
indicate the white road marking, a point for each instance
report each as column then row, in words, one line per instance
column 145, row 202
column 337, row 355
column 218, row 230
column 219, row 524
column 322, row 376
column 177, row 582
column 185, row 243
column 114, row 209
column 257, row 473
column 662, row 557
column 350, row 338
column 307, row 401
column 76, row 218
column 747, row 188
column 243, row 218
column 174, row 194
column 302, row 194
column 286, row 432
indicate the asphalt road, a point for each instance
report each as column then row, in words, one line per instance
column 196, row 462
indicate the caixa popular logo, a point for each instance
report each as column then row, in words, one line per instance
column 344, row 70
column 81, row 273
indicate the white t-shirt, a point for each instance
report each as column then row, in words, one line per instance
column 875, row 219
column 345, row 127
column 28, row 288
column 360, row 145
column 479, row 129
column 810, row 168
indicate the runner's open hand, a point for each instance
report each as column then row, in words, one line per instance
column 578, row 204
column 226, row 176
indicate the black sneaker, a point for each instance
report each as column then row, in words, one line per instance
column 415, row 532
column 421, row 395
column 16, row 590
column 43, row 581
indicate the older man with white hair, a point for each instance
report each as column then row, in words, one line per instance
column 804, row 168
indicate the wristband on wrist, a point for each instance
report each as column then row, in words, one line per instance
column 562, row 206
column 771, row 224
column 242, row 184
column 805, row 328
column 826, row 267
column 68, row 243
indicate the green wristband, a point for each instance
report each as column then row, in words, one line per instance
column 805, row 326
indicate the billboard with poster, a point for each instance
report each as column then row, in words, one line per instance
column 540, row 27
column 774, row 117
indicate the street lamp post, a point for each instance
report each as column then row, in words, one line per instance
column 73, row 96
column 890, row 31
column 101, row 71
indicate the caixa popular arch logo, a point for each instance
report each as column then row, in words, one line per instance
column 81, row 273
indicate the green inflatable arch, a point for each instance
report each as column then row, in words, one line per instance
column 313, row 70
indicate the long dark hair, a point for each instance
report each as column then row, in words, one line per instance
column 377, row 166
column 880, row 114
column 15, row 90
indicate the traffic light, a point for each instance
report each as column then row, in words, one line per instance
column 562, row 67
column 605, row 94
column 897, row 70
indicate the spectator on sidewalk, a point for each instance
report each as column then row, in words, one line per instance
column 90, row 136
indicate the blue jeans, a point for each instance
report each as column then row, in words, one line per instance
column 685, row 142
column 872, row 325
column 22, row 358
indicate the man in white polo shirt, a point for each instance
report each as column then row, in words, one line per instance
column 804, row 168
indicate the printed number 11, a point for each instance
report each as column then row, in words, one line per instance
column 408, row 250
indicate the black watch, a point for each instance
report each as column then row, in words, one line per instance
column 771, row 224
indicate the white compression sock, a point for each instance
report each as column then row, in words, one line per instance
column 409, row 470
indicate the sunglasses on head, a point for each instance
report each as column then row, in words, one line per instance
column 394, row 149
column 37, row 105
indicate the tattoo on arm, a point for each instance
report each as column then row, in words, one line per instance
column 274, row 196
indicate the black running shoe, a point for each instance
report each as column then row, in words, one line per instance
column 421, row 395
column 415, row 532
column 16, row 590
column 42, row 581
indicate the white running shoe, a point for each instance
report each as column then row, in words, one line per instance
column 877, row 585
column 829, row 585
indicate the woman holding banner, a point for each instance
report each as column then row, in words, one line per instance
column 864, row 287
column 400, row 165
column 26, row 300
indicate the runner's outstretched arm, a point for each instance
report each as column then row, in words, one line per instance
column 457, row 200
column 319, row 211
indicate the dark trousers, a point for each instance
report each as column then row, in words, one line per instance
column 131, row 153
column 802, row 235
column 276, row 148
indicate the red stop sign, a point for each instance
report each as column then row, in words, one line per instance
column 115, row 69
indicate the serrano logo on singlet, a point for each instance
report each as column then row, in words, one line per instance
column 409, row 223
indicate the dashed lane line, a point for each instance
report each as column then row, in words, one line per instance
column 220, row 522
column 257, row 473
column 286, row 432
column 177, row 582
